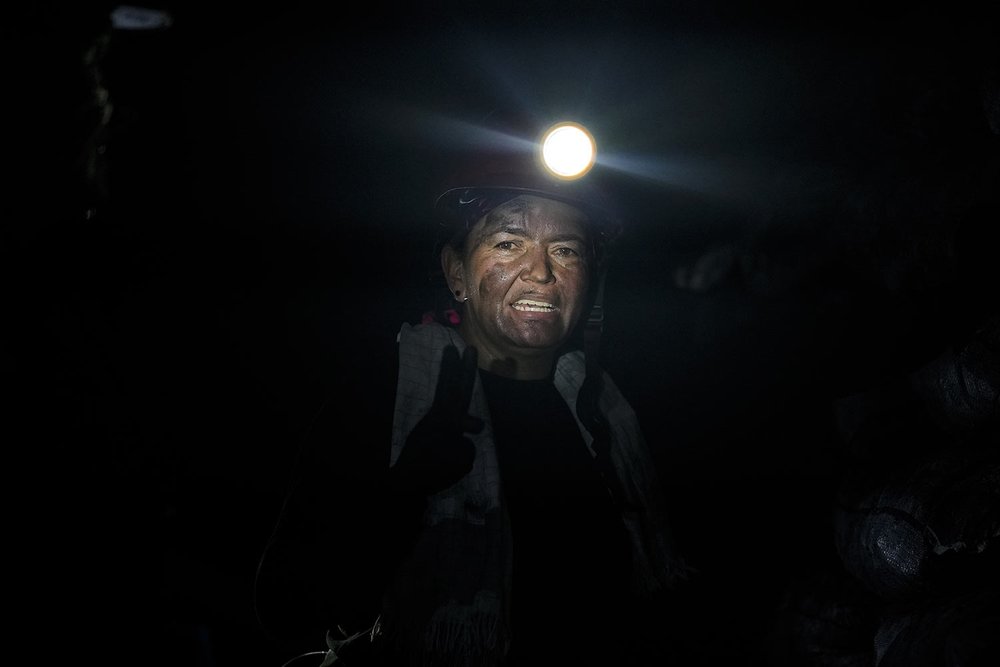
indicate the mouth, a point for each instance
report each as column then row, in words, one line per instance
column 533, row 306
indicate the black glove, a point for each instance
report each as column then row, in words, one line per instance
column 437, row 452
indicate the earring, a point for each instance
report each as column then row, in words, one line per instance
column 458, row 293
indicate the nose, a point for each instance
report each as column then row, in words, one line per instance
column 537, row 267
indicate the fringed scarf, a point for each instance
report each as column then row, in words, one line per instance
column 448, row 603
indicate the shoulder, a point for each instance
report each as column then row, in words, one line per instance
column 428, row 334
column 571, row 367
column 572, row 364
column 425, row 343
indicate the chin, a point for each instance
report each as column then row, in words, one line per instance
column 540, row 341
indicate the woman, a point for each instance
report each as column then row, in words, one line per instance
column 525, row 522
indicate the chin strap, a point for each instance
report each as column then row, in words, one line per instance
column 592, row 335
column 586, row 401
column 587, row 410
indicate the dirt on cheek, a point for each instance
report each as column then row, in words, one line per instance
column 495, row 284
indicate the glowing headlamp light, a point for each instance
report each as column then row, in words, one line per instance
column 568, row 150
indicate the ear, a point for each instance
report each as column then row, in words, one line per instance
column 451, row 264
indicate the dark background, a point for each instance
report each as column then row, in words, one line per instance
column 810, row 198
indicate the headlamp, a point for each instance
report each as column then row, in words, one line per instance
column 568, row 150
column 552, row 166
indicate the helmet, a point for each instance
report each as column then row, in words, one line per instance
column 516, row 166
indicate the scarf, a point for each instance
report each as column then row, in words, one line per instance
column 447, row 603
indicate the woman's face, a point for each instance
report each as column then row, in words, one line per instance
column 525, row 269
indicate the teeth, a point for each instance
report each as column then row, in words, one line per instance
column 532, row 306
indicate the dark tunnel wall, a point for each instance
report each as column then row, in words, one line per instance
column 228, row 219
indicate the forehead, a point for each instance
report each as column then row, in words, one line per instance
column 533, row 213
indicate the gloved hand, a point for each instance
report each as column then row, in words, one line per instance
column 438, row 452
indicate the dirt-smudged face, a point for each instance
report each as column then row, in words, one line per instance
column 525, row 269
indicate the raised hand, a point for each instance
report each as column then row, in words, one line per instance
column 438, row 452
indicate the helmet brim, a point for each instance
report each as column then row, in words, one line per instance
column 462, row 207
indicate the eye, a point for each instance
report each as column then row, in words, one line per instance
column 506, row 245
column 565, row 251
